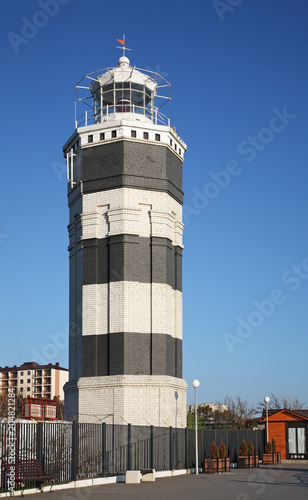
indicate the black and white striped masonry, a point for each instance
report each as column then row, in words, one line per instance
column 125, row 199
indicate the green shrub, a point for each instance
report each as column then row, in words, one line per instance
column 244, row 448
column 268, row 448
column 214, row 451
column 222, row 449
column 251, row 449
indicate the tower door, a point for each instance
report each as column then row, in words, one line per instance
column 297, row 442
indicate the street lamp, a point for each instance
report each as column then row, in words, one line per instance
column 195, row 383
column 266, row 401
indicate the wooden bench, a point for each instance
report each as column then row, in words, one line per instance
column 28, row 471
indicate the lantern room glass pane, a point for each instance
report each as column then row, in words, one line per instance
column 122, row 94
column 138, row 98
column 137, row 86
column 148, row 96
column 108, row 97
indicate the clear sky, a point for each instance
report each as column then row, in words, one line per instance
column 239, row 78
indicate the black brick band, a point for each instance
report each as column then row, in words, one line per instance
column 131, row 354
column 128, row 257
column 131, row 164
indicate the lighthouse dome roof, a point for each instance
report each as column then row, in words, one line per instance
column 124, row 73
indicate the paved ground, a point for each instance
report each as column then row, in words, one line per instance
column 285, row 482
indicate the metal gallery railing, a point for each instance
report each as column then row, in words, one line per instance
column 110, row 113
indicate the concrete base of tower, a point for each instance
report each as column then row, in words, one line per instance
column 127, row 399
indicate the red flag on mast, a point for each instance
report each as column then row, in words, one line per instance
column 121, row 41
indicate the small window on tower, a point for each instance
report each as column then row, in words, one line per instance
column 175, row 147
column 102, row 136
column 180, row 151
column 133, row 133
column 170, row 142
column 157, row 137
column 90, row 138
column 145, row 135
column 114, row 134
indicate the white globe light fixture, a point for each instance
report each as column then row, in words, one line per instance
column 195, row 383
column 266, row 401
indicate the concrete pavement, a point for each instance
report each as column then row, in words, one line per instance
column 281, row 482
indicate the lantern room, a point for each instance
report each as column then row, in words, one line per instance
column 123, row 92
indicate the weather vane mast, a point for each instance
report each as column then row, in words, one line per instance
column 123, row 45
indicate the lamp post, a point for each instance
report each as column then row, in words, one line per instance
column 195, row 383
column 266, row 401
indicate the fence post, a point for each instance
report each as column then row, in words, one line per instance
column 171, row 447
column 74, row 451
column 104, row 440
column 39, row 442
column 152, row 448
column 129, row 447
column 186, row 447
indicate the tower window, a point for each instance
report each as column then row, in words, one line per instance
column 175, row 147
column 133, row 133
column 145, row 135
column 102, row 136
column 90, row 138
column 180, row 151
column 170, row 142
column 114, row 134
column 157, row 137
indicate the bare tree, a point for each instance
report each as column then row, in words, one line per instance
column 282, row 402
column 4, row 405
column 239, row 413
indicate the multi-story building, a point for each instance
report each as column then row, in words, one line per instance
column 34, row 380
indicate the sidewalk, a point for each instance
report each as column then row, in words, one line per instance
column 281, row 482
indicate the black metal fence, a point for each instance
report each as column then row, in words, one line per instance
column 231, row 439
column 72, row 451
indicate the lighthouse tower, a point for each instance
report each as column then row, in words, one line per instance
column 124, row 165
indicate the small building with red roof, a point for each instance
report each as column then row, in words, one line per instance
column 289, row 429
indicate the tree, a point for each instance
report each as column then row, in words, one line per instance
column 281, row 402
column 191, row 421
column 239, row 414
column 4, row 405
column 60, row 405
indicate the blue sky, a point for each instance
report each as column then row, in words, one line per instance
column 239, row 79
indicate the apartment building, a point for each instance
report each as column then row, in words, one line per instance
column 34, row 380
